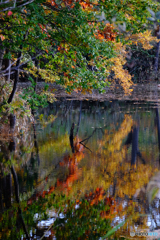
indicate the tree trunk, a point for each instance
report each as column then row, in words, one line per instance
column 71, row 137
column 134, row 145
column 158, row 130
column 158, row 127
column 16, row 79
column 16, row 187
column 16, row 73
column 1, row 57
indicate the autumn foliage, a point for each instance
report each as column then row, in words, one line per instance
column 71, row 4
column 74, row 43
column 108, row 33
column 71, row 161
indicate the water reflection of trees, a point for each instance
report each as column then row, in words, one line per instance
column 88, row 147
column 16, row 153
column 118, row 160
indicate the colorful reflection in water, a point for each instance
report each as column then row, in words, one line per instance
column 83, row 168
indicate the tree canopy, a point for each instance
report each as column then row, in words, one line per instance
column 79, row 44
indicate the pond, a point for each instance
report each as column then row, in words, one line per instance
column 80, row 169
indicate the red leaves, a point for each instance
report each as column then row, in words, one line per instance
column 65, row 74
column 9, row 13
column 108, row 201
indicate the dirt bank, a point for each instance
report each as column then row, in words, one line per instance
column 141, row 92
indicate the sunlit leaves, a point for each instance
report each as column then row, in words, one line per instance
column 144, row 39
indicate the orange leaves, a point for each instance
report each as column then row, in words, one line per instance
column 95, row 197
column 65, row 3
column 61, row 48
column 107, row 33
column 2, row 37
column 52, row 2
column 86, row 5
column 78, row 147
column 76, row 173
column 44, row 29
column 71, row 162
column 113, row 208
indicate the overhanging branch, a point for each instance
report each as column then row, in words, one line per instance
column 16, row 4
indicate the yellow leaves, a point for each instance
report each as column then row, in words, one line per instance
column 17, row 104
column 50, row 97
column 49, row 120
column 117, row 67
column 129, row 17
column 144, row 39
column 133, row 179
column 125, row 79
column 111, row 147
column 51, row 144
column 106, row 161
column 46, row 74
column 86, row 6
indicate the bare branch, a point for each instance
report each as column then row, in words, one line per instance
column 15, row 3
column 17, row 67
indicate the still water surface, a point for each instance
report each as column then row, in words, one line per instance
column 90, row 165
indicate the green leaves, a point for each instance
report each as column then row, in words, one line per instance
column 113, row 230
column 63, row 36
column 7, row 55
column 34, row 99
